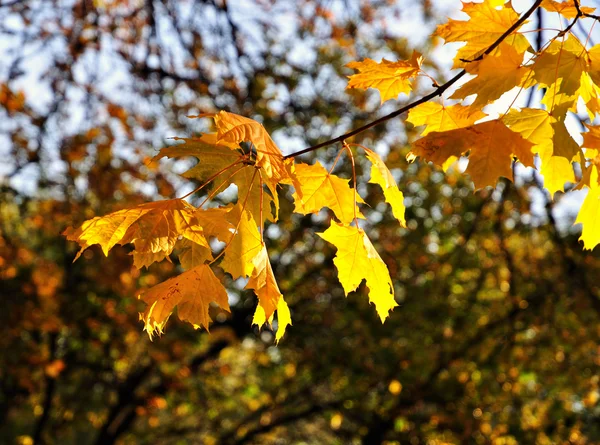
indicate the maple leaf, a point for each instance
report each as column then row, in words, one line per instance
column 284, row 318
column 243, row 245
column 263, row 282
column 594, row 62
column 591, row 138
column 193, row 254
column 497, row 73
column 567, row 9
column 153, row 228
column 485, row 26
column 437, row 117
column 390, row 78
column 233, row 129
column 211, row 156
column 536, row 126
column 191, row 292
column 589, row 213
column 491, row 144
column 215, row 222
column 319, row 188
column 559, row 69
column 357, row 259
column 250, row 189
column 381, row 175
column 214, row 158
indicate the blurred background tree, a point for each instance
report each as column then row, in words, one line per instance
column 496, row 338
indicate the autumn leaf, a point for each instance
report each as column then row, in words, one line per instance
column 491, row 146
column 488, row 21
column 390, row 78
column 381, row 175
column 236, row 169
column 263, row 282
column 153, row 228
column 357, row 260
column 215, row 222
column 497, row 73
column 591, row 138
column 536, row 126
column 438, row 117
column 319, row 188
column 589, row 214
column 284, row 318
column 191, row 292
column 212, row 157
column 243, row 245
column 559, row 69
column 566, row 8
column 193, row 254
column 233, row 129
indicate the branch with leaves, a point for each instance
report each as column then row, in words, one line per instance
column 499, row 58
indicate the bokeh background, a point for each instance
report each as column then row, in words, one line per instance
column 496, row 336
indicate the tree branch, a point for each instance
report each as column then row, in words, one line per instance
column 437, row 92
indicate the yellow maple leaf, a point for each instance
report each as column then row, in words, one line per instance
column 153, row 228
column 193, row 254
column 357, row 259
column 390, row 78
column 559, row 69
column 284, row 318
column 567, row 9
column 589, row 214
column 536, row 126
column 594, row 63
column 263, row 282
column 318, row 188
column 257, row 198
column 437, row 117
column 191, row 292
column 233, row 129
column 497, row 73
column 491, row 144
column 562, row 142
column 381, row 175
column 215, row 222
column 556, row 170
column 591, row 138
column 488, row 21
column 590, row 93
column 244, row 246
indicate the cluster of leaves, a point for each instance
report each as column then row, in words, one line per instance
column 240, row 152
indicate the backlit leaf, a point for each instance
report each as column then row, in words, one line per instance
column 486, row 24
column 381, row 175
column 319, row 188
column 491, row 146
column 357, row 259
column 153, row 228
column 497, row 73
column 191, row 292
column 437, row 117
column 390, row 78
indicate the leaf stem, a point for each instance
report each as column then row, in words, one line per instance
column 435, row 93
column 349, row 150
